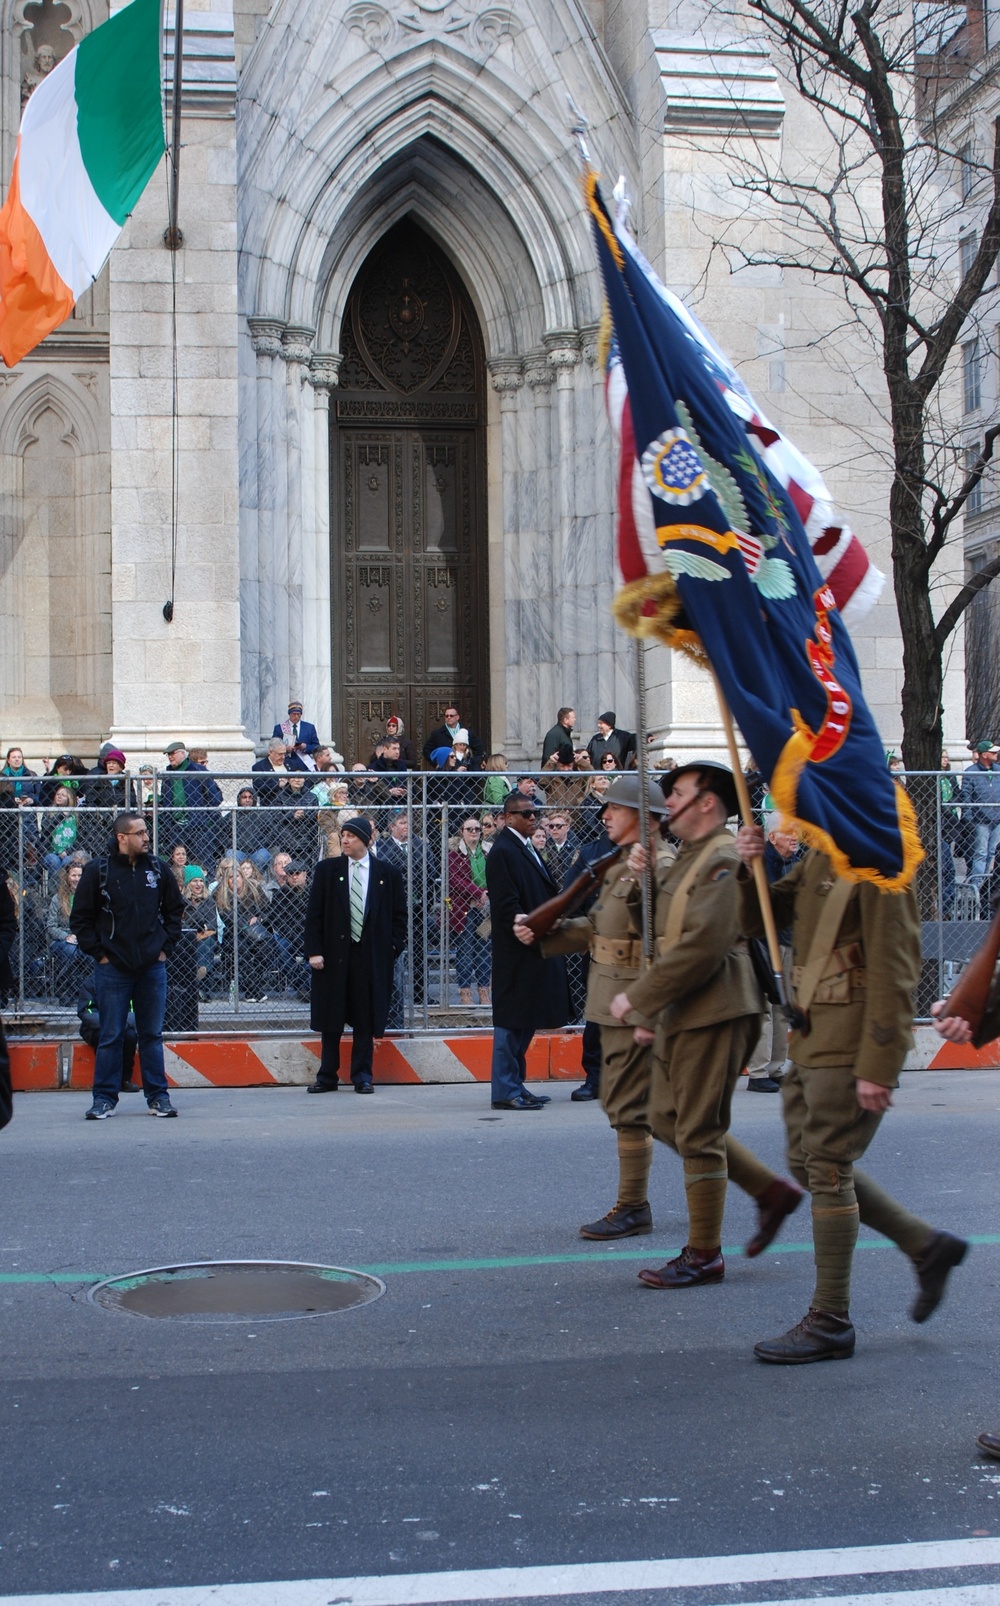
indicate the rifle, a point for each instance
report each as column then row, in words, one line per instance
column 970, row 994
column 542, row 919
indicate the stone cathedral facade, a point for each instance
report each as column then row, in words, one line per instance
column 388, row 483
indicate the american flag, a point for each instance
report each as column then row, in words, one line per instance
column 842, row 561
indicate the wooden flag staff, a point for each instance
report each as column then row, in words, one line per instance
column 759, row 872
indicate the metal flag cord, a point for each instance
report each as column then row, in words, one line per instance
column 173, row 239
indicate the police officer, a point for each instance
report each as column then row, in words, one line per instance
column 855, row 965
column 611, row 932
column 702, row 992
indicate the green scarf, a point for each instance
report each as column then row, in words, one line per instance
column 477, row 865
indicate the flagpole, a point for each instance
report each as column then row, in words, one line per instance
column 644, row 828
column 173, row 239
column 759, row 873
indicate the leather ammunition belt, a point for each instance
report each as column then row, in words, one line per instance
column 623, row 951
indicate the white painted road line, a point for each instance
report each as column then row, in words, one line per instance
column 586, row 1578
column 958, row 1595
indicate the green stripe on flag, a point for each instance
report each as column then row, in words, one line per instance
column 119, row 105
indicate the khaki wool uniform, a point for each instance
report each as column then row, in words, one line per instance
column 703, row 991
column 611, row 932
column 860, row 1028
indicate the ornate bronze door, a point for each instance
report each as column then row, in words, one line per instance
column 408, row 500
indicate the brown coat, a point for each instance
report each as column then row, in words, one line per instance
column 861, row 1017
column 706, row 977
column 617, row 914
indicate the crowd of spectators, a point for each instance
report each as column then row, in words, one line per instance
column 244, row 861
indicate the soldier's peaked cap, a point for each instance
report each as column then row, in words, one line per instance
column 714, row 777
column 625, row 792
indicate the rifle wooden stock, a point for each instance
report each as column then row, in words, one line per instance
column 971, row 992
column 542, row 919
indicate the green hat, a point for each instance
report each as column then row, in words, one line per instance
column 985, row 747
column 194, row 872
column 172, row 747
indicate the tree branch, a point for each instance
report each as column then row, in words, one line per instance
column 968, row 594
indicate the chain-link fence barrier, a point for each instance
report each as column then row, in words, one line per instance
column 244, row 847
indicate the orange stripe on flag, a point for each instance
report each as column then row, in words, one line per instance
column 33, row 298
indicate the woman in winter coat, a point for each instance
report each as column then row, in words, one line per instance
column 242, row 907
column 468, row 910
column 69, row 962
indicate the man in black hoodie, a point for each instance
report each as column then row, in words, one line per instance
column 127, row 914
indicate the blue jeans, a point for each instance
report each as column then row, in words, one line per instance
column 987, row 840
column 473, row 954
column 508, row 1067
column 115, row 993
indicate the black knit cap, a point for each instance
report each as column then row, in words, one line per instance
column 359, row 827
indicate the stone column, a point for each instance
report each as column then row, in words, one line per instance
column 261, row 580
column 296, row 349
column 506, row 634
column 317, row 689
column 180, row 678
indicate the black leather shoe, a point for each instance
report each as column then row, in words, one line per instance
column 363, row 1087
column 583, row 1095
column 519, row 1103
column 624, row 1221
column 691, row 1268
column 763, row 1084
column 322, row 1087
column 539, row 1098
column 819, row 1336
column 989, row 1443
column 778, row 1200
column 942, row 1254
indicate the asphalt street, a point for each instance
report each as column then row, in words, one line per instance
column 516, row 1399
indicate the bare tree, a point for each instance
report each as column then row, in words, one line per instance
column 878, row 216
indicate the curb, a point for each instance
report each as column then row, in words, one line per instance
column 399, row 1061
column 292, row 1062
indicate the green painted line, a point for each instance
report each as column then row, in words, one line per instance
column 401, row 1268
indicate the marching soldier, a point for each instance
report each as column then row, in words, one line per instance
column 612, row 934
column 856, row 961
column 702, row 992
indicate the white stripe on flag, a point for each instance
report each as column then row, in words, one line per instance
column 76, row 229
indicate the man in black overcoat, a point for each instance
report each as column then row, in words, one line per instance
column 355, row 931
column 529, row 992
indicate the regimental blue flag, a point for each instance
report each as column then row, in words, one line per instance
column 717, row 564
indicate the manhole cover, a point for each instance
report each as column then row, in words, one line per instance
column 238, row 1290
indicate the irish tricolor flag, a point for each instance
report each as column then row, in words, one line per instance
column 91, row 136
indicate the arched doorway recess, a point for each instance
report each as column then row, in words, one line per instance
column 408, row 498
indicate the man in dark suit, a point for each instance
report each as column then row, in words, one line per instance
column 529, row 992
column 355, row 931
column 406, row 854
column 297, row 732
column 445, row 734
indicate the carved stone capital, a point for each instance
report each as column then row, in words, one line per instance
column 538, row 371
column 296, row 342
column 506, row 373
column 266, row 335
column 324, row 369
column 589, row 342
column 563, row 347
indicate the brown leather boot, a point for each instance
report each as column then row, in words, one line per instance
column 819, row 1336
column 942, row 1255
column 624, row 1221
column 778, row 1200
column 691, row 1268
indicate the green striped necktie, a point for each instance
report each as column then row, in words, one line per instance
column 357, row 903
